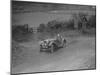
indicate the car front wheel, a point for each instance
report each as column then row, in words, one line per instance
column 41, row 49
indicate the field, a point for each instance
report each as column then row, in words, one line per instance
column 79, row 54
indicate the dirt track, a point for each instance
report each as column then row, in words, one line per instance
column 79, row 54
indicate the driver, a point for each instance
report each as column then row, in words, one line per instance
column 59, row 37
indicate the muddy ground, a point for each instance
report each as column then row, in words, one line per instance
column 79, row 54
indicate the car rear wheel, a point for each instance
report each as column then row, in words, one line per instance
column 64, row 43
column 52, row 48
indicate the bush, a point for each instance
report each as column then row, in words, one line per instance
column 92, row 21
column 41, row 27
column 21, row 33
column 56, row 26
column 70, row 24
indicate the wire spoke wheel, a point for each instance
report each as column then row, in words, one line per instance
column 64, row 43
column 52, row 48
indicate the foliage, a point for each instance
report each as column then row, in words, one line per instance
column 92, row 21
column 21, row 32
column 56, row 26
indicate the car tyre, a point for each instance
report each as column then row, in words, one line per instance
column 52, row 48
column 40, row 49
column 64, row 43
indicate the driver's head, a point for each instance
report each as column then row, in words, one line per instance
column 58, row 35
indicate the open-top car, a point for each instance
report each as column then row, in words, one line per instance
column 52, row 44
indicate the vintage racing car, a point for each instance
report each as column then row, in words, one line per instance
column 52, row 45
